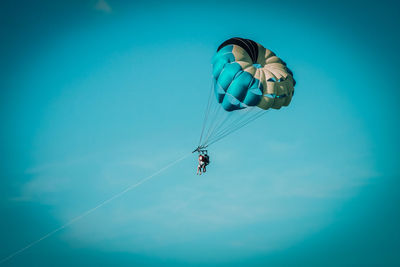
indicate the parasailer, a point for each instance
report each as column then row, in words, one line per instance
column 204, row 160
column 248, row 79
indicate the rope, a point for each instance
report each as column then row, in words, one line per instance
column 218, row 120
column 218, row 109
column 239, row 119
column 237, row 128
column 207, row 111
column 228, row 123
column 215, row 118
column 234, row 121
column 129, row 188
column 217, row 126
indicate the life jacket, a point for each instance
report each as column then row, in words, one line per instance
column 204, row 158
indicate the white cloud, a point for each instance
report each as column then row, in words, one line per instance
column 186, row 207
column 102, row 5
column 57, row 165
column 44, row 189
column 275, row 146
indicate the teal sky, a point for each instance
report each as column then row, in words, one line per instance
column 95, row 95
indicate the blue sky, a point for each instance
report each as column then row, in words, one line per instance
column 96, row 95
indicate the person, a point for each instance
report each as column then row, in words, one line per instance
column 204, row 160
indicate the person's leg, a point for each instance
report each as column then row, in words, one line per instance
column 201, row 167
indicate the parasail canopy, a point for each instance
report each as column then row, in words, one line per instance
column 247, row 74
column 248, row 79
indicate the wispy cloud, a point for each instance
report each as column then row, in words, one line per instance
column 57, row 165
column 227, row 197
column 103, row 5
column 281, row 147
column 44, row 189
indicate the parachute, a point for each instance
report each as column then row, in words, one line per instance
column 247, row 80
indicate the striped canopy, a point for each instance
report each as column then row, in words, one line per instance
column 246, row 74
